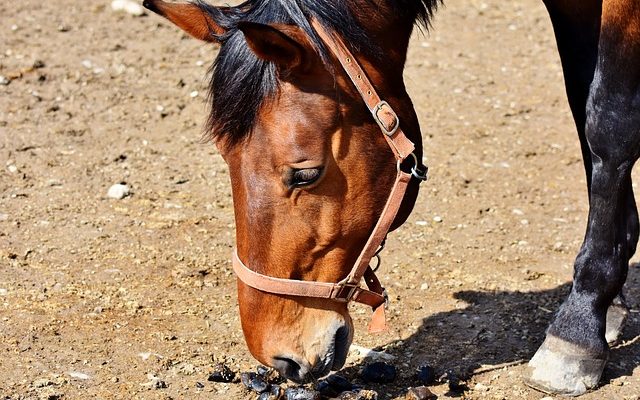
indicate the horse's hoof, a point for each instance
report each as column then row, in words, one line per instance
column 616, row 318
column 561, row 368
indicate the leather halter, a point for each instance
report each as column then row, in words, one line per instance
column 349, row 288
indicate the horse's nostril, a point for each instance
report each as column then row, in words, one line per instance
column 289, row 369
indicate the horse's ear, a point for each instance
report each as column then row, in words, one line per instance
column 285, row 45
column 190, row 17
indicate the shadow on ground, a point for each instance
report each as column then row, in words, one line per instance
column 498, row 329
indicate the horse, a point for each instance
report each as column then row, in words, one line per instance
column 309, row 109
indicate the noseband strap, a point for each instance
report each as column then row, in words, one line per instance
column 349, row 288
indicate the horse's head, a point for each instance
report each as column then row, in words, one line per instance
column 310, row 170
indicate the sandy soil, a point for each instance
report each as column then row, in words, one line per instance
column 101, row 298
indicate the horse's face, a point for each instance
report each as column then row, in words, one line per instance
column 300, row 183
column 309, row 183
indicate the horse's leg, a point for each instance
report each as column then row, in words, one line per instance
column 574, row 353
column 577, row 27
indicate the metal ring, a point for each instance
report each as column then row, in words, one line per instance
column 416, row 172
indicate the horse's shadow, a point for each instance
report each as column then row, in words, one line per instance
column 498, row 329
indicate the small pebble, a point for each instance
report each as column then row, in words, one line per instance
column 128, row 6
column 221, row 373
column 426, row 374
column 4, row 217
column 4, row 81
column 437, row 218
column 270, row 374
column 420, row 393
column 199, row 385
column 42, row 382
column 359, row 395
column 12, row 168
column 118, row 191
column 194, row 94
column 79, row 375
column 480, row 387
column 379, row 372
column 275, row 393
column 453, row 381
column 37, row 64
column 259, row 385
column 301, row 393
column 246, row 378
column 253, row 381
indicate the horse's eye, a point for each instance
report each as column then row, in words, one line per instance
column 304, row 177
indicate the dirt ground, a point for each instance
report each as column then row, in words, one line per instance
column 103, row 298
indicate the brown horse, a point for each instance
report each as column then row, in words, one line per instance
column 310, row 170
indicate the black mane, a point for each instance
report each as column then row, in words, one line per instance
column 240, row 81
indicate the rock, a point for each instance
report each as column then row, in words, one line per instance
column 479, row 387
column 326, row 390
column 221, row 373
column 199, row 385
column 270, row 374
column 128, row 6
column 12, row 168
column 426, row 374
column 118, row 191
column 259, row 385
column 301, row 393
column 453, row 381
column 379, row 372
column 37, row 64
column 38, row 383
column 246, row 378
column 339, row 382
column 275, row 393
column 420, row 393
column 359, row 395
column 255, row 382
column 4, row 81
column 79, row 375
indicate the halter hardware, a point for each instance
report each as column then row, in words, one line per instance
column 387, row 130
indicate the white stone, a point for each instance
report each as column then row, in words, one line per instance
column 118, row 191
column 79, row 375
column 437, row 218
column 128, row 6
column 12, row 168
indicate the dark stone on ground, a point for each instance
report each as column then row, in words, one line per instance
column 339, row 382
column 426, row 374
column 301, row 393
column 259, row 385
column 379, row 372
column 221, row 373
column 453, row 381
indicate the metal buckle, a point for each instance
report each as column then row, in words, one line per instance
column 377, row 109
column 351, row 289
